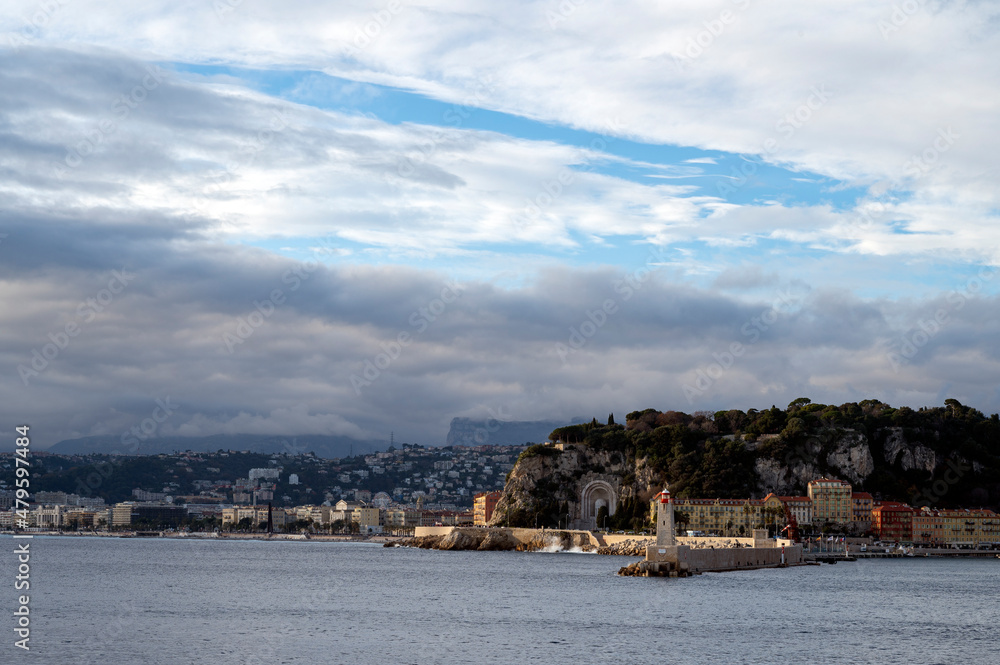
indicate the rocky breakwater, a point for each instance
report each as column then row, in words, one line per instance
column 520, row 540
column 627, row 547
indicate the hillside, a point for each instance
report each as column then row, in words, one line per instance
column 328, row 447
column 944, row 456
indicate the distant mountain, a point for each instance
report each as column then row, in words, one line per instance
column 469, row 432
column 323, row 446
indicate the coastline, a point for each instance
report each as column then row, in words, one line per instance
column 312, row 537
column 492, row 539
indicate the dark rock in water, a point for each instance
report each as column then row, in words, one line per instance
column 632, row 570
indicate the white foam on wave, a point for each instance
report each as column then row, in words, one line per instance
column 558, row 549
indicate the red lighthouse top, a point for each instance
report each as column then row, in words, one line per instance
column 665, row 496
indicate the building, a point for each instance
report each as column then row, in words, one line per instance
column 236, row 514
column 120, row 514
column 483, row 505
column 267, row 474
column 893, row 521
column 720, row 516
column 48, row 517
column 961, row 528
column 831, row 499
column 158, row 515
column 369, row 520
column 52, row 498
column 798, row 506
column 401, row 518
column 861, row 510
column 79, row 517
column 143, row 495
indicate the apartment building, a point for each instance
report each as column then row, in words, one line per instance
column 483, row 505
column 831, row 501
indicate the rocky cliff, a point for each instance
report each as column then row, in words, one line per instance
column 548, row 482
column 844, row 454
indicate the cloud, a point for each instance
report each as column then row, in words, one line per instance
column 360, row 350
column 460, row 270
column 851, row 92
column 110, row 133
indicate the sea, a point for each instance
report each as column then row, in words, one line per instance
column 177, row 601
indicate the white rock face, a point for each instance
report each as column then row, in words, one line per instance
column 909, row 456
column 852, row 457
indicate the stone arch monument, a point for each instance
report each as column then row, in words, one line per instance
column 595, row 495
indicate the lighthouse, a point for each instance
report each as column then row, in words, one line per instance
column 665, row 520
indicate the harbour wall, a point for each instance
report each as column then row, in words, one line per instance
column 686, row 559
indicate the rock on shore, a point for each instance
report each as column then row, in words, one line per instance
column 627, row 547
column 499, row 540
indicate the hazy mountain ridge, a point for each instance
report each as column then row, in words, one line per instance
column 473, row 432
column 323, row 446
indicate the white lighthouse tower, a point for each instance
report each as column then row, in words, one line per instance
column 665, row 520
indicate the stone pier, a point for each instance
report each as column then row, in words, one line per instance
column 667, row 558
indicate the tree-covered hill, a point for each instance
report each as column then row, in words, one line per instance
column 945, row 456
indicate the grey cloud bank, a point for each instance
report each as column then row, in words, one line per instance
column 191, row 167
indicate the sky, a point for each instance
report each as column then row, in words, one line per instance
column 358, row 218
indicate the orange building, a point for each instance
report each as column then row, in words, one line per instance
column 483, row 506
column 893, row 521
column 928, row 528
column 961, row 527
column 862, row 504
